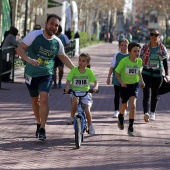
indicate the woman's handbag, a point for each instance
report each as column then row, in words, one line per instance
column 165, row 87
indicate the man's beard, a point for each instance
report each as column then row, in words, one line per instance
column 48, row 32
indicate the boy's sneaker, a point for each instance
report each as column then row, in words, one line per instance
column 131, row 131
column 37, row 130
column 116, row 113
column 41, row 135
column 91, row 130
column 70, row 121
column 54, row 86
column 146, row 117
column 152, row 116
column 120, row 122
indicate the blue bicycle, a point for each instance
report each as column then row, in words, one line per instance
column 80, row 122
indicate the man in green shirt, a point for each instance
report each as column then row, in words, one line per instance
column 39, row 49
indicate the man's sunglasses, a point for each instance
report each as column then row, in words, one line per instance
column 152, row 34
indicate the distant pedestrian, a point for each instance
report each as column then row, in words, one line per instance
column 37, row 27
column 58, row 63
column 128, row 73
column 107, row 36
column 9, row 41
column 123, row 45
column 154, row 56
column 76, row 35
column 129, row 37
column 68, row 33
column 120, row 36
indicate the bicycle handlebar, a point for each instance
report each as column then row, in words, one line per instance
column 74, row 92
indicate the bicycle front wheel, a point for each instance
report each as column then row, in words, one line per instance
column 78, row 133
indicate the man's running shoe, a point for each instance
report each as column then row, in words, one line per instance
column 91, row 130
column 131, row 131
column 41, row 135
column 120, row 122
column 146, row 117
column 152, row 116
column 116, row 113
column 37, row 130
column 70, row 120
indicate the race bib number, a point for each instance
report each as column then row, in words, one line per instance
column 154, row 64
column 132, row 71
column 79, row 82
column 28, row 79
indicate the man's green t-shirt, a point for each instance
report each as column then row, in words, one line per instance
column 81, row 81
column 129, row 70
column 44, row 50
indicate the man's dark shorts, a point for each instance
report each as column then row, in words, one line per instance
column 58, row 62
column 129, row 91
column 39, row 84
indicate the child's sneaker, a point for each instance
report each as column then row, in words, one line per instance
column 70, row 120
column 116, row 113
column 91, row 130
column 131, row 131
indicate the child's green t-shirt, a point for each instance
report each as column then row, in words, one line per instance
column 81, row 81
column 129, row 70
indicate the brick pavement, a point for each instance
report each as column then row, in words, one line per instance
column 109, row 149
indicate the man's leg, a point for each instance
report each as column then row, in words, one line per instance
column 132, row 108
column 35, row 107
column 44, row 108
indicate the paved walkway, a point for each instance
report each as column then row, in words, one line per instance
column 109, row 149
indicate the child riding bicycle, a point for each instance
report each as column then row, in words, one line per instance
column 81, row 77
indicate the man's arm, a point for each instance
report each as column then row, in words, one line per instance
column 65, row 59
column 21, row 52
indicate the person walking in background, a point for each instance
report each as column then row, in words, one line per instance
column 120, row 36
column 10, row 40
column 128, row 73
column 37, row 27
column 107, row 36
column 68, row 33
column 129, row 37
column 154, row 56
column 76, row 35
column 76, row 75
column 39, row 49
column 77, row 41
column 123, row 45
column 58, row 63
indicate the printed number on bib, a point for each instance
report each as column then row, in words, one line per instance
column 132, row 70
column 28, row 79
column 80, row 82
column 153, row 64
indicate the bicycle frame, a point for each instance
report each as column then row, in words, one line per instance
column 80, row 123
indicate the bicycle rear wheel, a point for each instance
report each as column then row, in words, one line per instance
column 78, row 133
